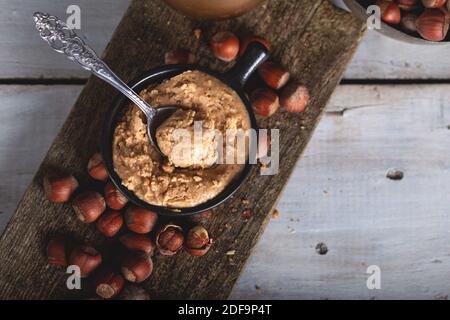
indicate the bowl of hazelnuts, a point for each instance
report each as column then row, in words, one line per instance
column 411, row 21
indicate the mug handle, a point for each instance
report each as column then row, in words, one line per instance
column 252, row 58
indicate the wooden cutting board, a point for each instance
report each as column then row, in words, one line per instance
column 314, row 39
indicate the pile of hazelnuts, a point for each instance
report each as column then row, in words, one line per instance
column 428, row 18
column 111, row 212
column 267, row 99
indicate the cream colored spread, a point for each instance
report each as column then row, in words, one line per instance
column 180, row 182
column 187, row 143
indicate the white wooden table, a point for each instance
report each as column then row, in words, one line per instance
column 339, row 194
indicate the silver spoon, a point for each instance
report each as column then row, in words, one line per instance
column 63, row 39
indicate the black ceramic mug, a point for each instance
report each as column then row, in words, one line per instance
column 235, row 78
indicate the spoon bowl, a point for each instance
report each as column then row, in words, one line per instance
column 162, row 114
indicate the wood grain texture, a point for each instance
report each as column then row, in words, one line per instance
column 22, row 54
column 339, row 195
column 30, row 118
column 378, row 57
column 24, row 272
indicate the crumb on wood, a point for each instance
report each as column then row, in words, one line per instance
column 247, row 214
column 275, row 214
column 321, row 248
column 263, row 165
column 291, row 230
column 245, row 202
column 206, row 214
column 197, row 33
column 395, row 174
column 231, row 252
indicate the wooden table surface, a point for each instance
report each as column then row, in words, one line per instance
column 338, row 195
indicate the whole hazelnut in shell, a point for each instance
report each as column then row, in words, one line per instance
column 169, row 239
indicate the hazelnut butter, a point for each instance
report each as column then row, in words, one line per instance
column 180, row 182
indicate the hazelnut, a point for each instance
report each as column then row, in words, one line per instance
column 137, row 267
column 133, row 292
column 88, row 206
column 408, row 5
column 113, row 197
column 140, row 220
column 96, row 167
column 433, row 24
column 179, row 56
column 169, row 239
column 206, row 214
column 110, row 223
column 86, row 258
column 264, row 101
column 59, row 188
column 137, row 242
column 197, row 241
column 390, row 11
column 433, row 3
column 294, row 97
column 108, row 284
column 252, row 38
column 56, row 251
column 225, row 46
column 408, row 22
column 273, row 74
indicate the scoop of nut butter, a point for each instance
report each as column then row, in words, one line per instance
column 186, row 141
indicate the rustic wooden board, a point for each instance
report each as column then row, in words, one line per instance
column 308, row 44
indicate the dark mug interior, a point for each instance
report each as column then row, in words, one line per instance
column 235, row 78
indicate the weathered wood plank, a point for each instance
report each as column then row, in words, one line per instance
column 30, row 118
column 377, row 57
column 24, row 273
column 23, row 55
column 339, row 195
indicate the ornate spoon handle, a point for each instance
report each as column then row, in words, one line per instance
column 64, row 40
